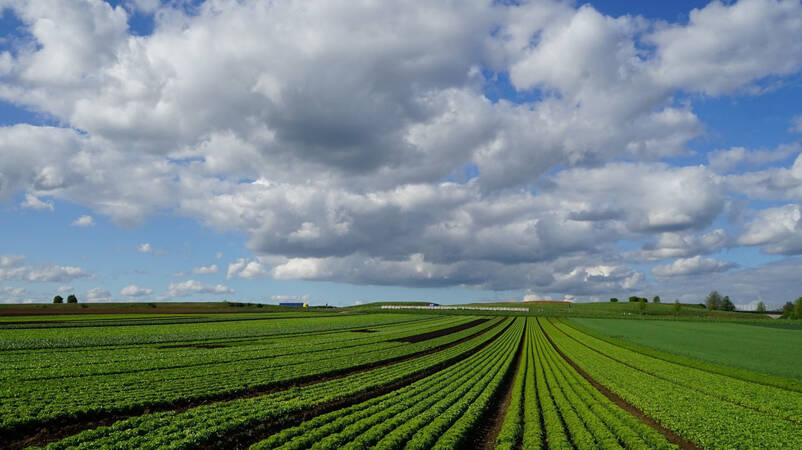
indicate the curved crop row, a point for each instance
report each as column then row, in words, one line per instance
column 216, row 422
column 705, row 419
column 24, row 404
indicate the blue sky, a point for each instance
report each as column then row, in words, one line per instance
column 345, row 153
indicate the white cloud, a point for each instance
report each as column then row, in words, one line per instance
column 12, row 293
column 12, row 268
column 696, row 265
column 33, row 202
column 347, row 141
column 64, row 289
column 290, row 298
column 725, row 47
column 98, row 295
column 205, row 270
column 243, row 268
column 135, row 291
column 778, row 230
column 84, row 221
column 149, row 249
column 190, row 287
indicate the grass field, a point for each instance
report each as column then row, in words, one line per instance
column 757, row 348
column 357, row 378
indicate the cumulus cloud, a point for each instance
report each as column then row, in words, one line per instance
column 150, row 250
column 205, row 270
column 12, row 267
column 191, row 287
column 98, row 295
column 135, row 291
column 796, row 124
column 696, row 265
column 244, row 268
column 778, row 230
column 726, row 160
column 84, row 221
column 371, row 153
column 33, row 202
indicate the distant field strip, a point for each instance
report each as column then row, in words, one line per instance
column 708, row 409
column 755, row 350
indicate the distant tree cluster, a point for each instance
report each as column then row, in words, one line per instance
column 792, row 310
column 613, row 300
column 70, row 299
column 715, row 302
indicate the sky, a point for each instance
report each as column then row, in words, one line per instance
column 340, row 152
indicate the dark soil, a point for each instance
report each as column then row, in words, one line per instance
column 439, row 333
column 672, row 437
column 57, row 429
column 363, row 330
column 194, row 346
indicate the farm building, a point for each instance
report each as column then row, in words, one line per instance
column 299, row 305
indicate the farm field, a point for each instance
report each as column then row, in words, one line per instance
column 375, row 380
column 758, row 348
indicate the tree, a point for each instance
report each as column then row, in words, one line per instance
column 798, row 308
column 713, row 301
column 58, row 299
column 761, row 307
column 727, row 305
column 613, row 300
column 633, row 299
column 677, row 306
column 642, row 304
column 788, row 310
column 656, row 299
column 72, row 299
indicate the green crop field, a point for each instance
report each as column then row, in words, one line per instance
column 366, row 378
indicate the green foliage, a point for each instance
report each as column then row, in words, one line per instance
column 761, row 307
column 613, row 300
column 656, row 299
column 642, row 305
column 727, row 305
column 72, row 299
column 713, row 301
column 798, row 308
column 677, row 306
column 58, row 299
column 788, row 310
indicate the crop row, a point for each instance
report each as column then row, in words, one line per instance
column 51, row 365
column 410, row 415
column 778, row 403
column 115, row 336
column 708, row 420
column 29, row 403
column 218, row 421
column 552, row 405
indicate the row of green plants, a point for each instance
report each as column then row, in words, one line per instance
column 24, row 340
column 215, row 423
column 24, row 404
column 39, row 366
column 703, row 418
column 778, row 404
column 364, row 424
column 574, row 413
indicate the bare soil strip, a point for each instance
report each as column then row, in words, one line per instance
column 676, row 383
column 439, row 333
column 484, row 435
column 672, row 437
column 53, row 430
